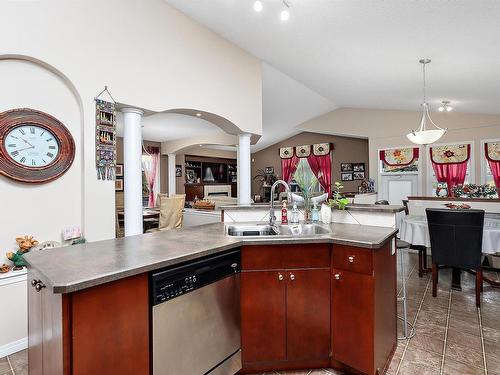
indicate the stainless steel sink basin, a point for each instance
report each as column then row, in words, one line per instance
column 245, row 230
column 260, row 230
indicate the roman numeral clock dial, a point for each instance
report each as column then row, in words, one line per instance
column 34, row 147
column 31, row 146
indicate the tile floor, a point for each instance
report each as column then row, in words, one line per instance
column 453, row 337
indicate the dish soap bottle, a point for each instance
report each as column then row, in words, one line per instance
column 315, row 214
column 284, row 214
column 295, row 214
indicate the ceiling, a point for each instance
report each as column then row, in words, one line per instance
column 364, row 53
column 162, row 127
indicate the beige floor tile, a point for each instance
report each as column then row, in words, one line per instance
column 465, row 354
column 19, row 359
column 457, row 336
column 4, row 366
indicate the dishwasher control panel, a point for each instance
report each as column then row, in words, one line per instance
column 177, row 281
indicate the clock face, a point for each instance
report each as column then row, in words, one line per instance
column 31, row 145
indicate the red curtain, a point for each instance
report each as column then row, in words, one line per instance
column 321, row 166
column 494, row 167
column 288, row 168
column 452, row 174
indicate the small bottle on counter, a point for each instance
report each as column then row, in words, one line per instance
column 315, row 214
column 284, row 213
column 294, row 219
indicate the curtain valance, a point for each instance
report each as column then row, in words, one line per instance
column 303, row 151
column 492, row 151
column 450, row 154
column 399, row 157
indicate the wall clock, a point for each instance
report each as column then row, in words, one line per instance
column 34, row 146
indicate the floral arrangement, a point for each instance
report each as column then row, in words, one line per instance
column 474, row 191
column 338, row 200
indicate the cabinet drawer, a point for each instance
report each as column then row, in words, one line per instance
column 268, row 257
column 349, row 258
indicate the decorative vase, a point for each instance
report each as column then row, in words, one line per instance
column 307, row 209
column 326, row 214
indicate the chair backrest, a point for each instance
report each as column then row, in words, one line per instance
column 405, row 204
column 456, row 237
column 171, row 212
column 383, row 201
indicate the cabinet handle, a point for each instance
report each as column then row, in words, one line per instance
column 292, row 276
column 39, row 286
column 280, row 277
column 34, row 282
column 337, row 276
column 351, row 259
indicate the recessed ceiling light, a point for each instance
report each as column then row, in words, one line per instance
column 257, row 6
column 198, row 115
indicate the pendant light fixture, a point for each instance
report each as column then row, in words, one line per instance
column 424, row 136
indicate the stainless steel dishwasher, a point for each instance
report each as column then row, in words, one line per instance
column 196, row 317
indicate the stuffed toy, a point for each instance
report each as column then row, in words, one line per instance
column 26, row 243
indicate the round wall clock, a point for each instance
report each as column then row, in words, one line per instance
column 34, row 146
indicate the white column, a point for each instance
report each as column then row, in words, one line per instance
column 244, row 178
column 132, row 164
column 171, row 175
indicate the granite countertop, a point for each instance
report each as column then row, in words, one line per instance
column 72, row 268
column 384, row 208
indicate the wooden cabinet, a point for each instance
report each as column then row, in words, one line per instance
column 264, row 317
column 99, row 330
column 363, row 308
column 285, row 315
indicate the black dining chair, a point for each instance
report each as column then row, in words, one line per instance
column 456, row 241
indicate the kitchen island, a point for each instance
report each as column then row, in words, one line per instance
column 306, row 301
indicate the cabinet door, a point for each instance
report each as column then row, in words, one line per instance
column 352, row 320
column 35, row 327
column 263, row 318
column 308, row 314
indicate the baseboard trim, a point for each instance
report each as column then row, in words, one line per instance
column 13, row 347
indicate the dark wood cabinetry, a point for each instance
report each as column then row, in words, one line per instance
column 307, row 305
column 99, row 330
column 285, row 300
column 363, row 307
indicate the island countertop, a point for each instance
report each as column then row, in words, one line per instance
column 72, row 268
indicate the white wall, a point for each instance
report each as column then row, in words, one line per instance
column 150, row 56
column 39, row 210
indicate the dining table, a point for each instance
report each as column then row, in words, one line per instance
column 414, row 230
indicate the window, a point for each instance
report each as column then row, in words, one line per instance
column 432, row 183
column 147, row 163
column 309, row 174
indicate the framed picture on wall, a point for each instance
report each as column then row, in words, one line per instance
column 119, row 170
column 359, row 175
column 346, row 167
column 346, row 176
column 178, row 171
column 359, row 167
column 118, row 184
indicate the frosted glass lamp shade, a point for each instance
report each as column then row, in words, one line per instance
column 425, row 137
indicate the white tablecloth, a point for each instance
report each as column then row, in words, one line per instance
column 414, row 230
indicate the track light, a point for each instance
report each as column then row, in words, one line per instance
column 257, row 6
column 445, row 106
column 285, row 13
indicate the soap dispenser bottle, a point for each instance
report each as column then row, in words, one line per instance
column 295, row 214
column 315, row 214
column 284, row 213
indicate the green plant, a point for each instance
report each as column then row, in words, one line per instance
column 337, row 198
column 307, row 184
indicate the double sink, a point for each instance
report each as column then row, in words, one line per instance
column 267, row 230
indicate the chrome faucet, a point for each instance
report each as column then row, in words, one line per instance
column 272, row 217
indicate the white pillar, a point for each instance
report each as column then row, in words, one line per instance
column 132, row 164
column 244, row 178
column 171, row 175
